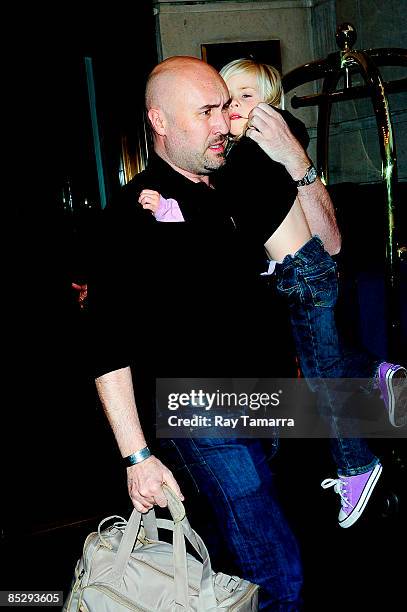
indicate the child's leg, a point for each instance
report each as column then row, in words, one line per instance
column 309, row 280
column 293, row 237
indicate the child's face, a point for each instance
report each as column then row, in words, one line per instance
column 245, row 95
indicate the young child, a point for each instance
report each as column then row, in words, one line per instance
column 306, row 274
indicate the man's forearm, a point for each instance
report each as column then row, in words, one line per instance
column 320, row 215
column 145, row 479
column 316, row 204
column 116, row 393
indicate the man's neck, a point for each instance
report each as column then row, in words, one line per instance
column 195, row 178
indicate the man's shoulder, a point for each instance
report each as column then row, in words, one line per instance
column 130, row 192
column 146, row 179
column 123, row 213
column 157, row 176
column 124, row 204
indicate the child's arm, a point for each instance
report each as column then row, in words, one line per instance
column 166, row 210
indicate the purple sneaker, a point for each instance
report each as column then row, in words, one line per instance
column 392, row 382
column 355, row 492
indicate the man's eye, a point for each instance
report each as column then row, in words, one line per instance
column 207, row 112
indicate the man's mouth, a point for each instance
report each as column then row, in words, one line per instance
column 218, row 147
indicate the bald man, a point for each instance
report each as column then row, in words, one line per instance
column 188, row 307
column 189, row 116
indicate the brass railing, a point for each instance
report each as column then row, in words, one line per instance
column 341, row 65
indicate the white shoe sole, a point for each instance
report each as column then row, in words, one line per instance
column 397, row 394
column 363, row 499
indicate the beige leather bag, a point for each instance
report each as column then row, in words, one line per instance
column 116, row 574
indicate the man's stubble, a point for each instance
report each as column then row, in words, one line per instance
column 197, row 162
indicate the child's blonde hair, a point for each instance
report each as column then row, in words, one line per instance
column 268, row 78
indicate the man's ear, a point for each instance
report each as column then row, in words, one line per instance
column 157, row 121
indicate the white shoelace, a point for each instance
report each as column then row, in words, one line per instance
column 339, row 487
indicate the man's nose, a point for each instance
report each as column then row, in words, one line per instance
column 222, row 125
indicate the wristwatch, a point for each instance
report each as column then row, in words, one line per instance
column 309, row 177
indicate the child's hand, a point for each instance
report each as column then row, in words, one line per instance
column 150, row 200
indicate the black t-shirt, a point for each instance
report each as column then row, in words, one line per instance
column 181, row 299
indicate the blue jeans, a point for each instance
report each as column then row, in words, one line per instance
column 309, row 280
column 239, row 516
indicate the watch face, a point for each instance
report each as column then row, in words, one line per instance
column 312, row 174
column 310, row 177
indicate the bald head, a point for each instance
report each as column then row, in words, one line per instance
column 174, row 74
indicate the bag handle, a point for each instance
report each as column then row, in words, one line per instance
column 207, row 597
column 177, row 511
column 181, row 527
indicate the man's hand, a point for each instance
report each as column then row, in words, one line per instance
column 267, row 127
column 145, row 482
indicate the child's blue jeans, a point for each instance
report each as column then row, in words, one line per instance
column 309, row 280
